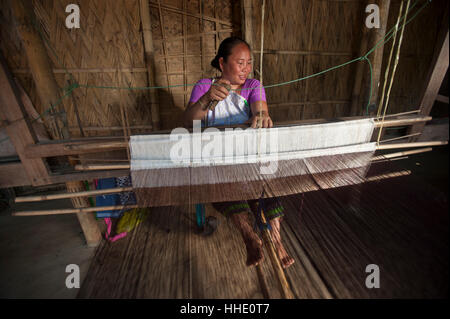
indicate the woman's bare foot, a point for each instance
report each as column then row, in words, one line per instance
column 252, row 242
column 254, row 251
column 285, row 259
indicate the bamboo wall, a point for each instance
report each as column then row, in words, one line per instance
column 301, row 38
column 186, row 36
column 306, row 37
column 108, row 42
column 415, row 57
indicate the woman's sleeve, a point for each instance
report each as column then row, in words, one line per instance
column 200, row 88
column 256, row 93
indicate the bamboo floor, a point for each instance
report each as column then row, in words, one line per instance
column 399, row 224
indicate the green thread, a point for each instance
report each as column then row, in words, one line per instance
column 275, row 211
column 236, row 206
column 371, row 80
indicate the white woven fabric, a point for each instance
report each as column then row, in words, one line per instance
column 238, row 146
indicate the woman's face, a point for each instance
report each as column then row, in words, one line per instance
column 238, row 65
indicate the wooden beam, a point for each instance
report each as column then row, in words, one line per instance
column 184, row 23
column 388, row 175
column 64, row 148
column 369, row 39
column 149, row 52
column 39, row 64
column 376, row 57
column 307, row 67
column 202, row 39
column 48, row 92
column 355, row 108
column 403, row 121
column 19, row 128
column 94, row 167
column 442, row 98
column 399, row 154
column 410, row 145
column 40, row 198
column 396, row 121
column 247, row 24
column 436, row 73
column 81, row 210
column 19, row 178
column 83, row 176
column 164, row 44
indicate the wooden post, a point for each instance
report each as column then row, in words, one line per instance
column 376, row 58
column 39, row 63
column 18, row 127
column 150, row 61
column 355, row 106
column 369, row 39
column 246, row 24
column 436, row 74
column 48, row 93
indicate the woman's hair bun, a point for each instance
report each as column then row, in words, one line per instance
column 215, row 63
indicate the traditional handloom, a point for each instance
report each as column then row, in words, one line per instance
column 237, row 164
column 223, row 165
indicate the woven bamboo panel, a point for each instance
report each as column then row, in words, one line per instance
column 314, row 36
column 109, row 37
column 186, row 36
column 325, row 33
column 415, row 56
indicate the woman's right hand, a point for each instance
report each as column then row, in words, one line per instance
column 218, row 91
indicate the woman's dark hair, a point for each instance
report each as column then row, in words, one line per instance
column 225, row 48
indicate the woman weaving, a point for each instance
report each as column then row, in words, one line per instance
column 242, row 104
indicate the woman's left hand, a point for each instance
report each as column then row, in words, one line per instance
column 261, row 119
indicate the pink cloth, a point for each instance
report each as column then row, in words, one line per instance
column 250, row 91
column 108, row 231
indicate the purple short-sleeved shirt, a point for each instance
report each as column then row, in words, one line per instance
column 250, row 95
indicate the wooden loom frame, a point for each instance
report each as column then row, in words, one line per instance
column 32, row 169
